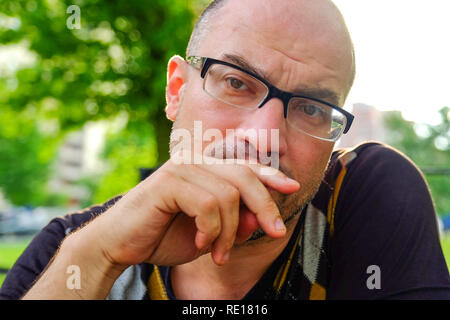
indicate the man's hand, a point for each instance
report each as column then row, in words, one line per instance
column 183, row 211
column 177, row 214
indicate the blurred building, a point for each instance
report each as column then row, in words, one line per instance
column 78, row 159
column 4, row 203
column 367, row 125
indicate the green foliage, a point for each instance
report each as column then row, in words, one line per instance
column 129, row 151
column 115, row 63
column 430, row 149
column 25, row 158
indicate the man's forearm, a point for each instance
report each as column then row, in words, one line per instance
column 78, row 270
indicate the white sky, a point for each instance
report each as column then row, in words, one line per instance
column 402, row 55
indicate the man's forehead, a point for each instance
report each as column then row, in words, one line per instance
column 270, row 15
column 287, row 24
column 311, row 32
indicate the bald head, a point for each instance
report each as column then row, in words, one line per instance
column 318, row 19
column 201, row 26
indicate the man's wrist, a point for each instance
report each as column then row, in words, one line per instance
column 77, row 271
column 95, row 267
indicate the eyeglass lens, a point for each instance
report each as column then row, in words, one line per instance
column 242, row 90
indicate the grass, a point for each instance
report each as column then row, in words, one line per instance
column 9, row 252
column 445, row 242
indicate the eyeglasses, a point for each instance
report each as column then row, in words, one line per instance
column 243, row 89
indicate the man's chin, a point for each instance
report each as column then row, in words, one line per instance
column 289, row 220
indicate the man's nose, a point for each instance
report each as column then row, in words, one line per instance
column 265, row 127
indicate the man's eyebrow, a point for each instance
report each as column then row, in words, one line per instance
column 241, row 62
column 318, row 93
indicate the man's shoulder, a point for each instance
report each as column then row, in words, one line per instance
column 350, row 165
column 76, row 219
column 369, row 162
column 370, row 152
column 372, row 174
column 384, row 216
column 65, row 224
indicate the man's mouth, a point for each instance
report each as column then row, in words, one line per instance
column 240, row 151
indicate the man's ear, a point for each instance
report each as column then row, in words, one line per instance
column 176, row 81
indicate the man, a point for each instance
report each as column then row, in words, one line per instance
column 350, row 224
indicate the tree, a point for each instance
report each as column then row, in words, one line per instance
column 114, row 63
column 429, row 147
column 25, row 157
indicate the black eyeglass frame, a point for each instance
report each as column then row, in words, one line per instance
column 204, row 63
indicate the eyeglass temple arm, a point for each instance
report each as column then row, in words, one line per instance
column 196, row 62
column 350, row 119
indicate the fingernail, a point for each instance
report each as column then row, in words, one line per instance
column 226, row 256
column 291, row 181
column 279, row 225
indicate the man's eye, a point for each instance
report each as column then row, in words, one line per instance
column 312, row 110
column 236, row 84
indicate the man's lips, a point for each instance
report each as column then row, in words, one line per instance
column 241, row 151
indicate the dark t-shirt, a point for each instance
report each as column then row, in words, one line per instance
column 369, row 233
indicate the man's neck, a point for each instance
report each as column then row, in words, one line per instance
column 203, row 279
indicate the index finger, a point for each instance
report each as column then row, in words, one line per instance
column 275, row 179
column 251, row 183
column 269, row 176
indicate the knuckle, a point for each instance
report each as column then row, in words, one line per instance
column 155, row 181
column 177, row 157
column 162, row 176
column 246, row 172
column 208, row 203
column 270, row 206
column 232, row 194
column 214, row 229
